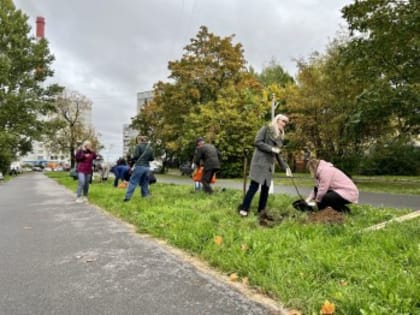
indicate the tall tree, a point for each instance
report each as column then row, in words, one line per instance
column 211, row 94
column 24, row 65
column 322, row 106
column 385, row 53
column 274, row 74
column 70, row 128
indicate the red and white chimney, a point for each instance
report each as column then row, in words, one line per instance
column 40, row 27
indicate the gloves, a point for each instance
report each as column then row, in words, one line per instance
column 275, row 150
column 310, row 202
column 289, row 172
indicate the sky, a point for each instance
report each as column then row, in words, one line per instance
column 109, row 50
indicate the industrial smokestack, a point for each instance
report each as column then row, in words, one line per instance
column 40, row 27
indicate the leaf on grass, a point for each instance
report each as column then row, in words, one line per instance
column 343, row 283
column 294, row 312
column 328, row 308
column 244, row 247
column 233, row 277
column 218, row 240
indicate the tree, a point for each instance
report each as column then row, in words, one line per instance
column 212, row 95
column 274, row 74
column 68, row 128
column 24, row 65
column 385, row 53
column 323, row 106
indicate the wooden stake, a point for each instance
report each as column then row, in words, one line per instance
column 406, row 217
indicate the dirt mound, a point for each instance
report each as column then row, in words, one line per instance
column 327, row 215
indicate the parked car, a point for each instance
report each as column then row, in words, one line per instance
column 156, row 166
column 15, row 168
column 186, row 169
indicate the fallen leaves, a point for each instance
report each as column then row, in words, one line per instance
column 233, row 277
column 218, row 240
column 328, row 308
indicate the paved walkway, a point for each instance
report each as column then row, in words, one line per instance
column 375, row 199
column 59, row 257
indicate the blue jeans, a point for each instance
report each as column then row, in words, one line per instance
column 84, row 180
column 139, row 177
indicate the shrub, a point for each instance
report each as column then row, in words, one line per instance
column 392, row 159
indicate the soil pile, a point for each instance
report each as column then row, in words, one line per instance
column 327, row 215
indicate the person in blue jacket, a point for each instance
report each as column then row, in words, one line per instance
column 121, row 172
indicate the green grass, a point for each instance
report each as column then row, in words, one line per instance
column 298, row 263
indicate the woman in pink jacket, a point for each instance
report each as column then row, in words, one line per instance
column 333, row 188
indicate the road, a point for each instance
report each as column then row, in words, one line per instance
column 59, row 257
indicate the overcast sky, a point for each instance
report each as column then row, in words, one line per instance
column 108, row 50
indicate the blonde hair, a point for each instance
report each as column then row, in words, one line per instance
column 86, row 143
column 312, row 166
column 277, row 131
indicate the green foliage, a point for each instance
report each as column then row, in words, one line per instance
column 296, row 262
column 274, row 74
column 24, row 65
column 321, row 105
column 211, row 95
column 392, row 159
column 384, row 53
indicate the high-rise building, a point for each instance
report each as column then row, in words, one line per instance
column 128, row 135
column 143, row 98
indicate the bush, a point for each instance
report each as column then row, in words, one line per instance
column 392, row 159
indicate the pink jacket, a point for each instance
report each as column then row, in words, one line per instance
column 331, row 178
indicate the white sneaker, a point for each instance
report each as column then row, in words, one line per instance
column 243, row 213
column 79, row 200
column 84, row 199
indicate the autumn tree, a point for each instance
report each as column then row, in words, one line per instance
column 70, row 127
column 25, row 63
column 322, row 106
column 210, row 94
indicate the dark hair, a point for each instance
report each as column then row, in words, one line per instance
column 141, row 139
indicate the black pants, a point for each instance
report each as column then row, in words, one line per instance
column 206, row 178
column 253, row 188
column 333, row 200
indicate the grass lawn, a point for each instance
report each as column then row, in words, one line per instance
column 297, row 262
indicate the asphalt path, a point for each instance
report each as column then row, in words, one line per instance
column 60, row 257
column 381, row 200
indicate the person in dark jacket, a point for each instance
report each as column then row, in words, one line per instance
column 84, row 158
column 207, row 155
column 143, row 154
column 268, row 141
